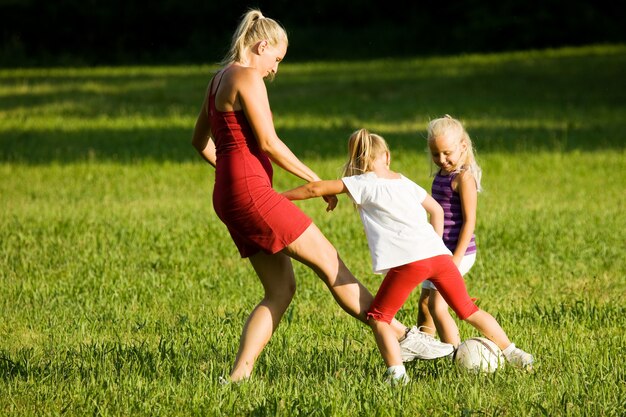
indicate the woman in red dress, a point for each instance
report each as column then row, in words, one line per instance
column 235, row 133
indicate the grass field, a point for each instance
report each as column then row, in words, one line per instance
column 122, row 294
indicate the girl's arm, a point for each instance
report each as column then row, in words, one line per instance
column 466, row 187
column 201, row 139
column 254, row 100
column 318, row 189
column 436, row 214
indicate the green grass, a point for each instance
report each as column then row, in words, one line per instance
column 121, row 293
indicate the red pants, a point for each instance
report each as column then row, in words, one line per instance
column 401, row 280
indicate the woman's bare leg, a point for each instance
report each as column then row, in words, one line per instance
column 314, row 250
column 276, row 275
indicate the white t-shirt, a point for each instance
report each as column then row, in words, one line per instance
column 395, row 223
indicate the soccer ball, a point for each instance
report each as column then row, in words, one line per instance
column 479, row 354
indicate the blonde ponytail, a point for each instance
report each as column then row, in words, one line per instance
column 363, row 148
column 253, row 27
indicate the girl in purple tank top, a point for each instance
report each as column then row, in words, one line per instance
column 455, row 187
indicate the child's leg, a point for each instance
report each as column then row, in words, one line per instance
column 395, row 290
column 436, row 309
column 424, row 318
column 489, row 327
column 452, row 287
column 392, row 294
column 387, row 342
column 445, row 324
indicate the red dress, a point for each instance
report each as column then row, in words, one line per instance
column 257, row 217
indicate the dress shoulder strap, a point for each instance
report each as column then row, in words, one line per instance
column 221, row 75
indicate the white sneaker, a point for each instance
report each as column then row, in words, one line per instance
column 420, row 345
column 520, row 359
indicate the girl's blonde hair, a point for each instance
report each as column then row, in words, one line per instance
column 254, row 27
column 453, row 128
column 363, row 148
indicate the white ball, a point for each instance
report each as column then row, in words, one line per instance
column 479, row 354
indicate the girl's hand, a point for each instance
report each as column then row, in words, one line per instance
column 457, row 260
column 332, row 201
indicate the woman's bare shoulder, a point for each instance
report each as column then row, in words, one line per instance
column 238, row 74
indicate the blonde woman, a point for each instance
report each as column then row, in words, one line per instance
column 404, row 246
column 235, row 133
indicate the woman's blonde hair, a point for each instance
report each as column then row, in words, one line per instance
column 453, row 128
column 363, row 148
column 254, row 27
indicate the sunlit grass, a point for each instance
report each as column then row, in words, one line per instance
column 122, row 294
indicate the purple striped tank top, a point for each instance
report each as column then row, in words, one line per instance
column 450, row 200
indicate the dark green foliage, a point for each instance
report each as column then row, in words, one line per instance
column 44, row 33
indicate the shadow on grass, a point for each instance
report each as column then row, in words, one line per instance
column 563, row 100
column 174, row 144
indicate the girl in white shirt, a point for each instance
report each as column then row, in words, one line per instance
column 403, row 245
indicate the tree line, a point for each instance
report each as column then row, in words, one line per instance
column 89, row 32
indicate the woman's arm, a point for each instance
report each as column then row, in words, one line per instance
column 436, row 213
column 201, row 139
column 466, row 187
column 254, row 100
